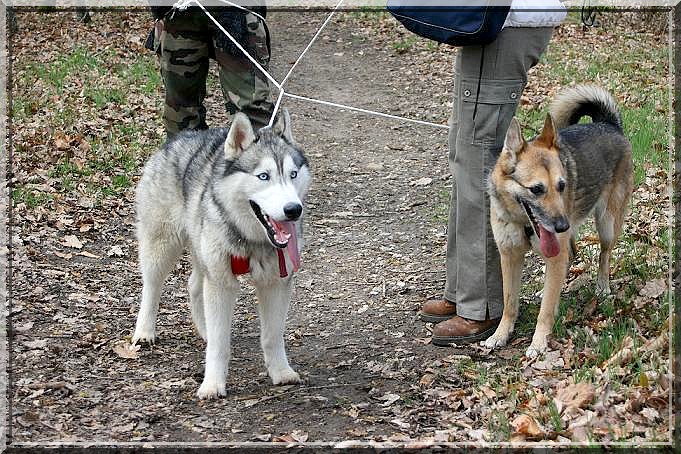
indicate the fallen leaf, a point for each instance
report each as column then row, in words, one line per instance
column 574, row 396
column 72, row 241
column 282, row 439
column 488, row 392
column 123, row 428
column 427, row 379
column 657, row 344
column 22, row 328
column 62, row 142
column 115, row 250
column 299, row 436
column 552, row 360
column 580, row 434
column 654, row 288
column 650, row 414
column 527, row 426
column 401, row 424
column 88, row 254
column 389, row 399
column 425, row 181
column 36, row 344
column 622, row 356
column 127, row 351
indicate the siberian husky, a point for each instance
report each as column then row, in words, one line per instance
column 234, row 197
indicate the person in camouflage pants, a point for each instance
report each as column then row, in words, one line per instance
column 186, row 40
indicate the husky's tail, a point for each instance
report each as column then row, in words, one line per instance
column 573, row 103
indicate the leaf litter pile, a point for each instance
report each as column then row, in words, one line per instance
column 86, row 101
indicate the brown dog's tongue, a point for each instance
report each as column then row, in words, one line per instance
column 548, row 243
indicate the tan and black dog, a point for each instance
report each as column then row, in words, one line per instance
column 542, row 189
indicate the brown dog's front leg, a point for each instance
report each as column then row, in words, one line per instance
column 511, row 271
column 556, row 269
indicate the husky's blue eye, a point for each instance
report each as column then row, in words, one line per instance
column 294, row 174
column 264, row 176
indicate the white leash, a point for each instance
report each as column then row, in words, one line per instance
column 366, row 111
column 282, row 92
column 184, row 4
column 314, row 38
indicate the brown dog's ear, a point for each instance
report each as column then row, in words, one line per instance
column 548, row 136
column 513, row 146
column 240, row 136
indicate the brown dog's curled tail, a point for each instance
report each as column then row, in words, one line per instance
column 592, row 100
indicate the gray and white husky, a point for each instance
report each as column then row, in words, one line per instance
column 235, row 198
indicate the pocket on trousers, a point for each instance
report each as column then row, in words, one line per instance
column 496, row 105
column 258, row 37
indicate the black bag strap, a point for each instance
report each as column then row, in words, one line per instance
column 477, row 92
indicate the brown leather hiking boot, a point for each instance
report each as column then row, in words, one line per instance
column 459, row 330
column 436, row 311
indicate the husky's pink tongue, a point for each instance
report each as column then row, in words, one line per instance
column 548, row 243
column 286, row 231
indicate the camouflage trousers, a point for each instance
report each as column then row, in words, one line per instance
column 186, row 41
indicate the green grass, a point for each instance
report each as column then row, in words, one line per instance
column 143, row 73
column 369, row 12
column 22, row 108
column 31, row 197
column 101, row 97
column 405, row 44
column 527, row 318
column 610, row 339
column 555, row 423
column 559, row 325
column 72, row 65
column 499, row 426
column 647, row 131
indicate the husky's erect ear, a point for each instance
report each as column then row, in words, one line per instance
column 282, row 126
column 513, row 145
column 240, row 136
column 548, row 135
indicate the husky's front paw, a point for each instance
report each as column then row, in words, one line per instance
column 142, row 335
column 284, row 376
column 211, row 389
column 495, row 340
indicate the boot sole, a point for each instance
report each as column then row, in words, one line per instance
column 430, row 318
column 446, row 341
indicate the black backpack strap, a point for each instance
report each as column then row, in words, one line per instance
column 477, row 92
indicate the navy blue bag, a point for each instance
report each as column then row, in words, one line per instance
column 453, row 25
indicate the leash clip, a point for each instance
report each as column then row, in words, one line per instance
column 181, row 5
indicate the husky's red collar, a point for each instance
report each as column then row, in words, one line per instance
column 242, row 265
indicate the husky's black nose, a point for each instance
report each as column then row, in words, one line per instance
column 561, row 225
column 293, row 211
